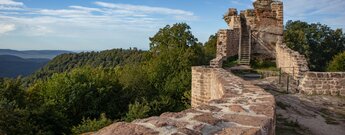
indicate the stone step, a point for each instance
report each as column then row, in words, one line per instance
column 244, row 61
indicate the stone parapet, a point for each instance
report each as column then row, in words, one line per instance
column 323, row 83
column 291, row 62
column 223, row 104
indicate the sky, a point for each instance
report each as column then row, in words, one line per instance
column 107, row 24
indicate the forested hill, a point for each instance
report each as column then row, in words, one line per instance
column 13, row 66
column 46, row 54
column 102, row 59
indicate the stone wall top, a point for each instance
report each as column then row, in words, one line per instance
column 290, row 61
column 324, row 83
column 241, row 109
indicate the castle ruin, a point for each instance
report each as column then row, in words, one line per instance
column 225, row 104
column 252, row 32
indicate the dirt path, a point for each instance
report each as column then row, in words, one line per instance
column 299, row 114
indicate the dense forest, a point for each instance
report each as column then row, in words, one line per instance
column 83, row 92
column 103, row 59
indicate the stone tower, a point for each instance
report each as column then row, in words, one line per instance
column 251, row 33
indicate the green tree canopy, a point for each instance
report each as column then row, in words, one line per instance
column 319, row 43
column 338, row 63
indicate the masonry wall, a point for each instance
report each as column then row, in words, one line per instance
column 277, row 9
column 202, row 81
column 323, row 83
column 291, row 62
column 248, row 105
column 206, row 86
column 227, row 45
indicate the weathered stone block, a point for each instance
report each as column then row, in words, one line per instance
column 336, row 75
column 342, row 92
column 342, row 82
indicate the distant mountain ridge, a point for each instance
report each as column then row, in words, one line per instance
column 27, row 54
column 13, row 66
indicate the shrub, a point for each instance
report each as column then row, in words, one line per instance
column 89, row 125
column 137, row 111
column 338, row 63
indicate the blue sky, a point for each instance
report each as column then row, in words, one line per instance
column 107, row 24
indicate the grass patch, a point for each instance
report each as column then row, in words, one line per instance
column 263, row 64
column 230, row 62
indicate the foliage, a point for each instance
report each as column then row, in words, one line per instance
column 319, row 43
column 210, row 47
column 338, row 63
column 88, row 125
column 85, row 92
column 231, row 61
column 14, row 117
column 103, row 59
column 174, row 50
column 263, row 64
column 137, row 111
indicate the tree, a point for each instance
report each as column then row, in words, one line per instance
column 14, row 119
column 338, row 63
column 174, row 50
column 81, row 93
column 319, row 43
column 210, row 47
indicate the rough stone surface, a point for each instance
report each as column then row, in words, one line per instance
column 227, row 45
column 323, row 83
column 264, row 24
column 290, row 61
column 215, row 110
column 311, row 83
column 122, row 128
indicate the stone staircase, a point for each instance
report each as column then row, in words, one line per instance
column 245, row 47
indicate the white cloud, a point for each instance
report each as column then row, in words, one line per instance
column 329, row 12
column 64, row 12
column 82, row 25
column 39, row 31
column 86, row 8
column 145, row 9
column 4, row 28
column 11, row 5
column 11, row 2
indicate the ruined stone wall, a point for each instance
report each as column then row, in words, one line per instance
column 311, row 83
column 227, row 45
column 323, row 83
column 290, row 61
column 201, row 80
column 278, row 13
column 267, row 26
column 223, row 104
